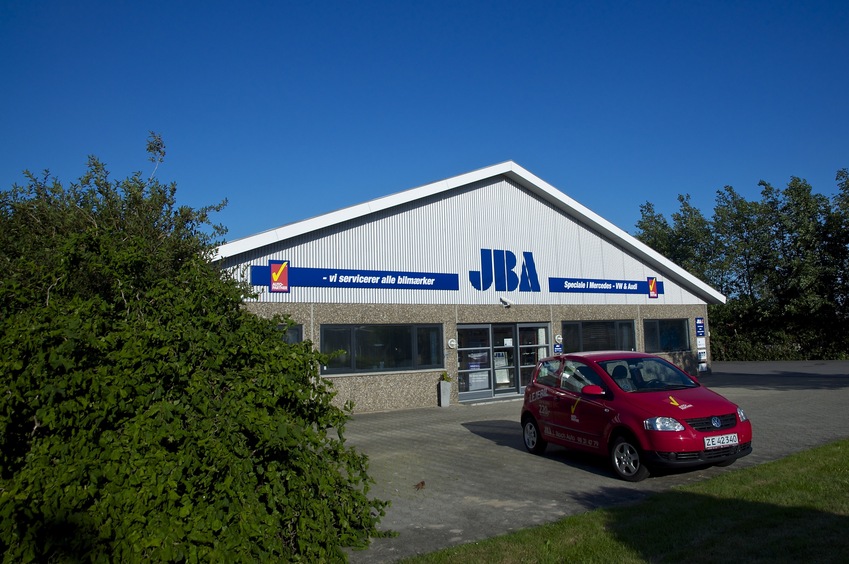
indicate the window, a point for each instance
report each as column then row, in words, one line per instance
column 547, row 374
column 641, row 374
column 581, row 336
column 576, row 375
column 570, row 375
column 376, row 348
column 292, row 334
column 666, row 335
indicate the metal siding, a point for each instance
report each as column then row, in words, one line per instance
column 445, row 233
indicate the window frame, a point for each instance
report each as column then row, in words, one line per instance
column 578, row 326
column 350, row 366
column 684, row 339
column 292, row 334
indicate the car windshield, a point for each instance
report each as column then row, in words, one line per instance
column 646, row 375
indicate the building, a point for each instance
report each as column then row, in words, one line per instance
column 476, row 276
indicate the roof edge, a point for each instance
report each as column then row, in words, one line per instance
column 329, row 219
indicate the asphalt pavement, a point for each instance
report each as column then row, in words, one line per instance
column 460, row 474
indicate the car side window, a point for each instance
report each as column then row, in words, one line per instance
column 576, row 375
column 547, row 374
column 621, row 375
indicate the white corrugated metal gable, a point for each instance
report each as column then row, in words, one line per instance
column 446, row 224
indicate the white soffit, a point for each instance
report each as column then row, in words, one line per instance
column 509, row 169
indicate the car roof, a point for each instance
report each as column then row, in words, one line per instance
column 599, row 356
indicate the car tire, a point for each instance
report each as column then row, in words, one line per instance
column 626, row 458
column 532, row 437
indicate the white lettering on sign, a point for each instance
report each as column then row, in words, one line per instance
column 423, row 281
column 388, row 279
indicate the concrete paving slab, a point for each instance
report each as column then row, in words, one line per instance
column 461, row 474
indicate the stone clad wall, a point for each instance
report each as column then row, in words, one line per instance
column 389, row 391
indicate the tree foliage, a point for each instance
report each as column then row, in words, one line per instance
column 782, row 261
column 144, row 414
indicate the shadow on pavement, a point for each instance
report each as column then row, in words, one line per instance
column 509, row 434
column 779, row 375
column 499, row 431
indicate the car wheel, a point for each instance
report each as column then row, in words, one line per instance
column 626, row 460
column 533, row 438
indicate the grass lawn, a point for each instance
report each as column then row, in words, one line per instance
column 791, row 510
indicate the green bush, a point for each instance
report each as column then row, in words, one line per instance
column 144, row 414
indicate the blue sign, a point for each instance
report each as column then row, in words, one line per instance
column 558, row 348
column 501, row 270
column 336, row 278
column 599, row 286
column 700, row 327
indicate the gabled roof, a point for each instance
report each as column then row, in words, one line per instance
column 508, row 169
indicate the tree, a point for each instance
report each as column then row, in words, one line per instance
column 693, row 237
column 687, row 242
column 742, row 238
column 837, row 243
column 144, row 414
column 783, row 263
column 654, row 230
column 799, row 287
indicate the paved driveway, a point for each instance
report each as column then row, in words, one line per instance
column 480, row 482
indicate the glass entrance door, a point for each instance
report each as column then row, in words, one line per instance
column 474, row 347
column 533, row 346
column 504, row 345
column 498, row 359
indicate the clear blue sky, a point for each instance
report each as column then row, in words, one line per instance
column 293, row 109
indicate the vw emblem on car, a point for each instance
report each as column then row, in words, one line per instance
column 715, row 421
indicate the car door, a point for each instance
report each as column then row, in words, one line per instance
column 582, row 418
column 542, row 399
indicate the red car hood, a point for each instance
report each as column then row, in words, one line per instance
column 684, row 404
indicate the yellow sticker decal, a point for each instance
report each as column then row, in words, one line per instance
column 679, row 405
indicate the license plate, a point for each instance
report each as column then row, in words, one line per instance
column 720, row 441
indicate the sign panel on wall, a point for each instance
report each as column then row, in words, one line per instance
column 650, row 287
column 279, row 272
column 501, row 270
column 346, row 278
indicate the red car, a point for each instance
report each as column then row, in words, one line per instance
column 640, row 410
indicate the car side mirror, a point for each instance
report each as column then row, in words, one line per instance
column 592, row 390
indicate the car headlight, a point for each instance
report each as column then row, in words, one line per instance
column 662, row 424
column 741, row 415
